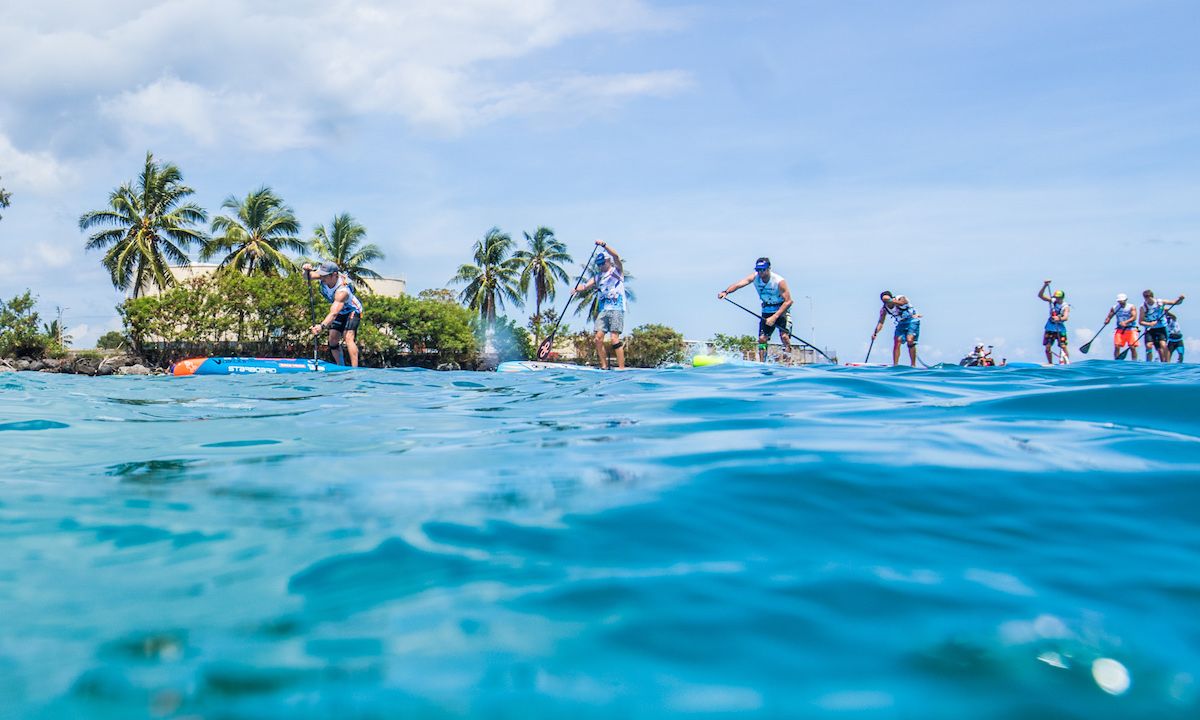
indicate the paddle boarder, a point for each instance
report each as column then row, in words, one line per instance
column 1125, row 334
column 609, row 280
column 1174, row 338
column 345, row 311
column 908, row 324
column 1055, row 330
column 776, row 300
column 1153, row 317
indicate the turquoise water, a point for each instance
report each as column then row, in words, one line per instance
column 735, row 540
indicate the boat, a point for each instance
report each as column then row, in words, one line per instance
column 251, row 366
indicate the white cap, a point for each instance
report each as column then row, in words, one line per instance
column 1122, row 297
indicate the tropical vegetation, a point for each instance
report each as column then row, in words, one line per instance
column 653, row 345
column 589, row 299
column 146, row 227
column 22, row 333
column 254, row 236
column 541, row 264
column 492, row 279
column 341, row 243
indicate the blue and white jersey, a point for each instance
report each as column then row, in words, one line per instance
column 352, row 304
column 1124, row 315
column 902, row 314
column 769, row 292
column 1173, row 331
column 1058, row 307
column 1155, row 314
column 610, row 289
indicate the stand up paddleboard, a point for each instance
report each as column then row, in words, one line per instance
column 251, row 366
column 536, row 365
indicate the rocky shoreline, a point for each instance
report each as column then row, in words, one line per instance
column 83, row 365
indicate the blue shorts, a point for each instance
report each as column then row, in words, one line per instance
column 612, row 320
column 909, row 327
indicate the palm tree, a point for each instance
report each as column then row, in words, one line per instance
column 590, row 300
column 493, row 278
column 254, row 237
column 541, row 264
column 144, row 227
column 338, row 244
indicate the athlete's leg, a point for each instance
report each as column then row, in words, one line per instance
column 335, row 346
column 619, row 349
column 600, row 351
column 1048, row 342
column 1064, row 358
column 912, row 350
column 896, row 349
column 352, row 347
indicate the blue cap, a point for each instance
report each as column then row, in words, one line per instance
column 762, row 265
column 601, row 258
column 326, row 268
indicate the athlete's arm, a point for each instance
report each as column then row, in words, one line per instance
column 616, row 258
column 339, row 301
column 585, row 286
column 1141, row 316
column 879, row 325
column 736, row 286
column 1042, row 292
column 787, row 302
column 1065, row 314
column 1174, row 302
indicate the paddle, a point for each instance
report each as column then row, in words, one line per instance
column 312, row 311
column 548, row 343
column 1088, row 345
column 801, row 340
column 868, row 359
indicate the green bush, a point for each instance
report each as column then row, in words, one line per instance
column 653, row 345
column 112, row 340
column 19, row 333
column 235, row 314
column 745, row 344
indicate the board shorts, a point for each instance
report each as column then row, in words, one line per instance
column 1124, row 337
column 611, row 321
column 1173, row 345
column 1156, row 335
column 345, row 323
column 1055, row 336
column 909, row 327
column 783, row 325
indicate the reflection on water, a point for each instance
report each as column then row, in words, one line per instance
column 773, row 542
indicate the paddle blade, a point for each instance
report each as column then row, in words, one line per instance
column 1085, row 347
column 545, row 347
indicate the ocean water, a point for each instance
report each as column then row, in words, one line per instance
column 750, row 541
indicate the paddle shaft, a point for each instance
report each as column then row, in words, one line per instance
column 801, row 340
column 548, row 343
column 1134, row 346
column 312, row 311
column 1088, row 345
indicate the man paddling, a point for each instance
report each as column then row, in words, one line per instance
column 345, row 311
column 776, row 300
column 908, row 324
column 1125, row 334
column 1174, row 337
column 1153, row 317
column 1055, row 330
column 609, row 279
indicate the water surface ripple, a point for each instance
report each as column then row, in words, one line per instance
column 733, row 540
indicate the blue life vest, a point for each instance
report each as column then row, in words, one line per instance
column 1056, row 308
column 1174, row 334
column 352, row 304
column 769, row 292
column 1156, row 316
column 1124, row 316
column 902, row 314
column 610, row 289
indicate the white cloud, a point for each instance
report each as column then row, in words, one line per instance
column 37, row 171
column 277, row 76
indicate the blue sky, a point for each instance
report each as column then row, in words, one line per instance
column 958, row 152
